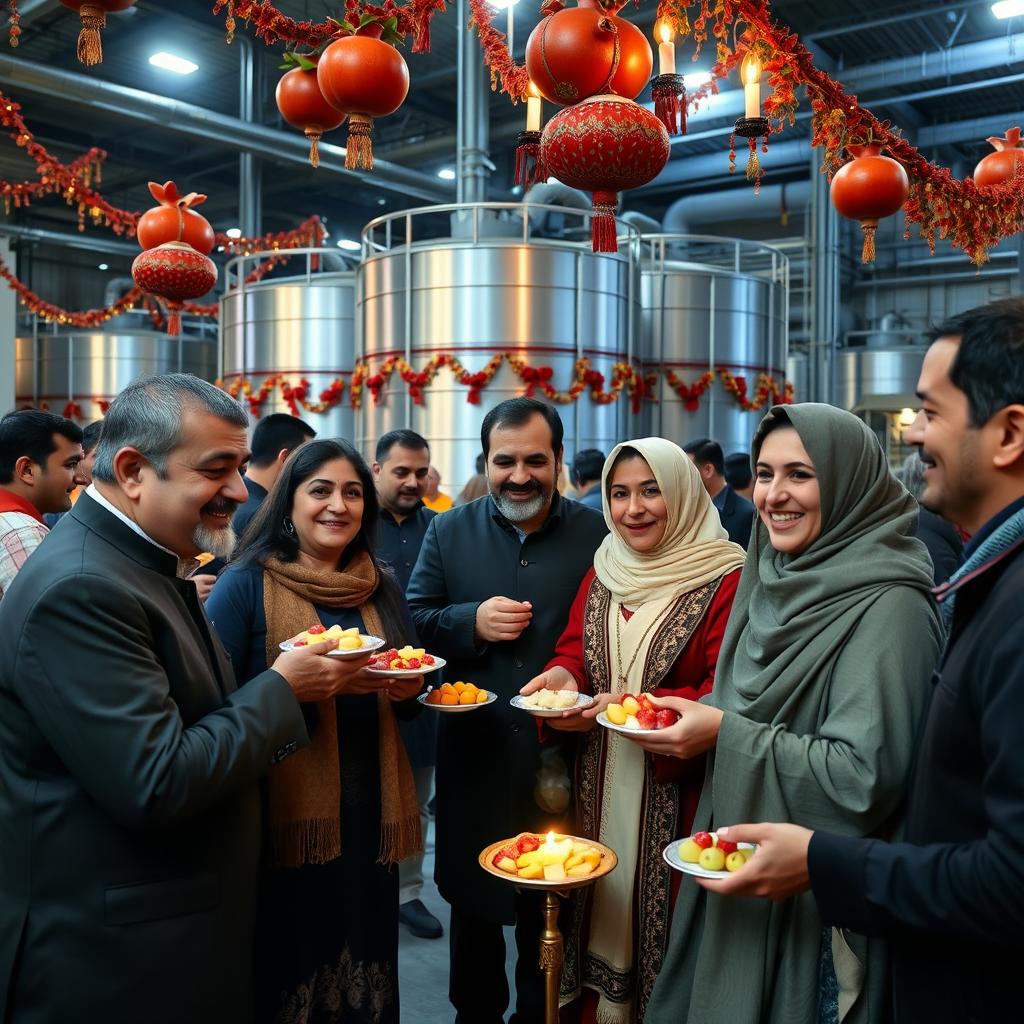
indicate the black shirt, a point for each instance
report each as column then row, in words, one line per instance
column 257, row 492
column 399, row 543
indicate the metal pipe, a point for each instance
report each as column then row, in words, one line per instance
column 210, row 126
column 249, row 198
column 935, row 279
column 825, row 287
column 90, row 243
column 473, row 162
column 890, row 19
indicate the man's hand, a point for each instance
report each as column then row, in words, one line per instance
column 778, row 868
column 557, row 678
column 402, row 687
column 501, row 618
column 695, row 733
column 314, row 676
column 204, row 584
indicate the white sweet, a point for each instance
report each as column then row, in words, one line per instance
column 550, row 700
column 631, row 722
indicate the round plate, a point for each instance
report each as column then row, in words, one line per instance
column 450, row 709
column 608, row 862
column 672, row 859
column 583, row 700
column 370, row 644
column 602, row 719
column 397, row 673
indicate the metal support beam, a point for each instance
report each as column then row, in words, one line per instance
column 250, row 170
column 859, row 25
column 71, row 240
column 473, row 167
column 824, row 252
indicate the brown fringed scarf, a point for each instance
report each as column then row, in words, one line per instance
column 305, row 789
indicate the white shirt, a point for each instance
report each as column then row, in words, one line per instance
column 130, row 523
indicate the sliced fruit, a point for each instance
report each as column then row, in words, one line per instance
column 524, row 860
column 616, row 714
column 647, row 718
column 630, row 705
column 576, row 858
column 526, row 843
column 557, row 852
column 554, row 872
column 507, row 864
column 533, row 871
column 580, row 870
column 349, row 643
column 667, row 717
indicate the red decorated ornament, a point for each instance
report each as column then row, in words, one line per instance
column 94, row 19
column 1005, row 163
column 174, row 272
column 605, row 145
column 302, row 105
column 588, row 51
column 869, row 187
column 174, row 220
column 364, row 77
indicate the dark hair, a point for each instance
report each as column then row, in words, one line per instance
column 738, row 473
column 481, row 464
column 276, row 432
column 30, row 432
column 516, row 412
column 91, row 435
column 989, row 365
column 705, row 451
column 626, row 454
column 404, row 439
column 586, row 466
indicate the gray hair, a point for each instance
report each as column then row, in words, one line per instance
column 911, row 474
column 149, row 416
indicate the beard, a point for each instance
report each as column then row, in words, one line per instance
column 518, row 511
column 219, row 543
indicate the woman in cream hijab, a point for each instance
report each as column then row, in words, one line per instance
column 649, row 618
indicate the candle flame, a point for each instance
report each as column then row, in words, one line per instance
column 532, row 90
column 551, row 838
column 750, row 69
column 665, row 31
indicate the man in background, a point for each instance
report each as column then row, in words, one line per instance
column 736, row 513
column 83, row 476
column 434, row 498
column 585, row 476
column 738, row 475
column 39, row 458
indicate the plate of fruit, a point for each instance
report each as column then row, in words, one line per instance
column 350, row 642
column 458, row 696
column 549, row 703
column 707, row 856
column 636, row 715
column 551, row 861
column 405, row 661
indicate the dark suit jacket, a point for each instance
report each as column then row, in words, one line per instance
column 737, row 515
column 129, row 806
column 951, row 898
column 487, row 761
column 944, row 545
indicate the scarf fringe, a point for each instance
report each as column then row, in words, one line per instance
column 315, row 841
column 400, row 839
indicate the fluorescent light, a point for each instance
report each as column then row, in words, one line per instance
column 1008, row 8
column 382, row 201
column 695, row 79
column 104, row 266
column 446, row 173
column 348, row 245
column 233, row 232
column 171, row 62
column 502, row 5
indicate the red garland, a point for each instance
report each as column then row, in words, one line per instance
column 690, row 394
column 294, row 395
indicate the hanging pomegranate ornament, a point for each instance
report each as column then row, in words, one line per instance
column 364, row 76
column 1005, row 163
column 174, row 272
column 174, row 220
column 93, row 14
column 302, row 104
column 868, row 188
column 587, row 50
column 604, row 145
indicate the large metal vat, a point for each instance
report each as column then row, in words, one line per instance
column 484, row 280
column 711, row 305
column 293, row 327
column 74, row 371
column 883, row 379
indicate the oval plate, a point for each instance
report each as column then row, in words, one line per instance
column 608, row 862
column 397, row 673
column 602, row 719
column 370, row 644
column 450, row 709
column 672, row 859
column 583, row 700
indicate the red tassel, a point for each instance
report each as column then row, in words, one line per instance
column 359, row 145
column 530, row 168
column 421, row 40
column 603, row 234
column 174, row 318
column 669, row 94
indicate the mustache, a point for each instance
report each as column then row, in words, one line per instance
column 530, row 488
column 224, row 506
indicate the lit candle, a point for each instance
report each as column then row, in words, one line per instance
column 750, row 72
column 550, row 844
column 666, row 49
column 532, row 108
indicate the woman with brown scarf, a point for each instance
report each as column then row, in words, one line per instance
column 342, row 813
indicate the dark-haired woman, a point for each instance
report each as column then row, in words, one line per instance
column 342, row 813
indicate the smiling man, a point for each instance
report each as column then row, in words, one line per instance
column 491, row 593
column 129, row 759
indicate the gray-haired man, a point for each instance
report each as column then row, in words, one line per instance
column 129, row 810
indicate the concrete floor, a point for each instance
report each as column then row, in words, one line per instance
column 423, row 963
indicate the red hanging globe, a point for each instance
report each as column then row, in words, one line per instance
column 94, row 18
column 605, row 145
column 1005, row 163
column 174, row 220
column 868, row 188
column 302, row 105
column 174, row 272
column 588, row 51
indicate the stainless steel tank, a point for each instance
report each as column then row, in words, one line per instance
column 75, row 371
column 711, row 305
column 483, row 280
column 293, row 327
column 883, row 379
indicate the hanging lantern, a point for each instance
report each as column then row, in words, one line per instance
column 529, row 166
column 668, row 90
column 174, row 272
column 587, row 51
column 869, row 187
column 302, row 104
column 174, row 220
column 1005, row 163
column 605, row 145
column 365, row 77
column 94, row 19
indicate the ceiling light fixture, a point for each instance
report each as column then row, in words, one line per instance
column 348, row 245
column 171, row 62
column 233, row 232
column 1008, row 9
column 695, row 79
column 502, row 5
column 446, row 173
column 104, row 266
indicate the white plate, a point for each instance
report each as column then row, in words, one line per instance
column 602, row 719
column 672, row 859
column 397, row 673
column 454, row 708
column 583, row 700
column 370, row 644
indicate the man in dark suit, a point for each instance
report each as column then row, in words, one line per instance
column 585, row 477
column 736, row 513
column 951, row 897
column 129, row 759
column 491, row 593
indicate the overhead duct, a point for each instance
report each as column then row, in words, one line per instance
column 644, row 224
column 735, row 204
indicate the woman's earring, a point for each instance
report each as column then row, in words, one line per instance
column 289, row 527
